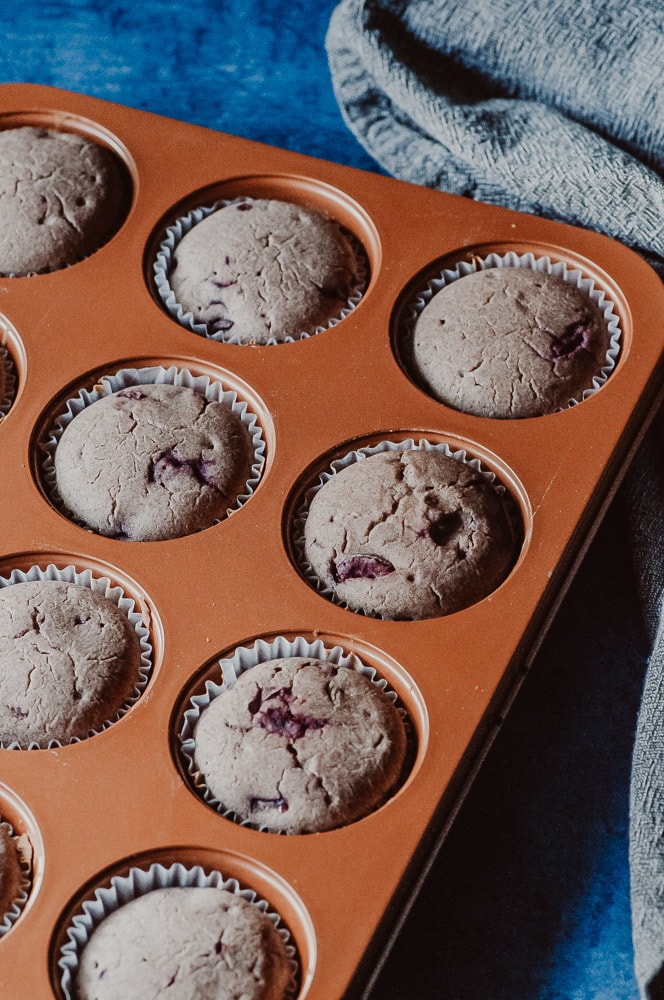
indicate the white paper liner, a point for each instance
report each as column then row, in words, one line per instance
column 244, row 658
column 156, row 375
column 100, row 585
column 8, row 919
column 9, row 388
column 546, row 265
column 300, row 517
column 162, row 267
column 123, row 888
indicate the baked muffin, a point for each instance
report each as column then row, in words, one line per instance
column 187, row 943
column 300, row 745
column 509, row 342
column 262, row 270
column 69, row 660
column 410, row 534
column 10, row 871
column 62, row 196
column 7, row 381
column 151, row 462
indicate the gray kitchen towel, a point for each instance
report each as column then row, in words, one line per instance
column 556, row 108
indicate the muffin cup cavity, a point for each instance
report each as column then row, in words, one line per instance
column 243, row 659
column 137, row 882
column 154, row 375
column 301, row 509
column 24, row 854
column 112, row 592
column 545, row 265
column 163, row 264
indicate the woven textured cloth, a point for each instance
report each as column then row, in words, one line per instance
column 553, row 108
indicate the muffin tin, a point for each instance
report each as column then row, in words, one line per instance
column 122, row 798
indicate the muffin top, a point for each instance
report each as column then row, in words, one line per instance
column 185, row 943
column 151, row 462
column 264, row 269
column 509, row 342
column 10, row 869
column 69, row 660
column 299, row 745
column 62, row 196
column 410, row 534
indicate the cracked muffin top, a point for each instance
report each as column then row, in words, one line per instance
column 508, row 342
column 410, row 534
column 185, row 943
column 69, row 660
column 151, row 462
column 300, row 745
column 62, row 196
column 263, row 270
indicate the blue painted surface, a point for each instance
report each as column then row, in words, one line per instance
column 529, row 900
column 255, row 69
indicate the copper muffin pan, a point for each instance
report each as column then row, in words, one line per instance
column 121, row 798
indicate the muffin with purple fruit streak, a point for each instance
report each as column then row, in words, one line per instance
column 410, row 533
column 300, row 745
column 152, row 461
column 262, row 270
column 509, row 342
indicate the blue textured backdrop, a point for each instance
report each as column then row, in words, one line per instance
column 255, row 69
column 529, row 899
